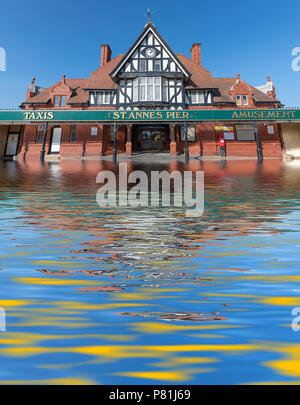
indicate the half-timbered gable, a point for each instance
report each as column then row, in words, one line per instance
column 150, row 74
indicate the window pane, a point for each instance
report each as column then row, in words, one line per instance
column 106, row 101
column 157, row 65
column 39, row 137
column 92, row 98
column 245, row 100
column 238, row 100
column 157, row 92
column 143, row 65
column 63, row 101
column 143, row 80
column 165, row 93
column 201, row 97
column 56, row 101
column 135, row 93
column 150, row 93
column 143, row 92
column 194, row 97
column 99, row 98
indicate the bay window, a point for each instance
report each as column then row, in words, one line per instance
column 147, row 89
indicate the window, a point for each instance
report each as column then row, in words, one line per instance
column 245, row 100
column 143, row 65
column 241, row 99
column 59, row 101
column 94, row 131
column 200, row 97
column 148, row 89
column 165, row 90
column 100, row 97
column 39, row 134
column 191, row 133
column 73, row 134
column 157, row 65
column 245, row 133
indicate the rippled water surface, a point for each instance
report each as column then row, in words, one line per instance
column 148, row 295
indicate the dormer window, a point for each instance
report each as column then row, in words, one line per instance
column 242, row 99
column 198, row 97
column 101, row 97
column 59, row 101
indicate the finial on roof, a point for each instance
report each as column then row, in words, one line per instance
column 238, row 75
column 268, row 78
column 149, row 15
column 63, row 78
column 33, row 80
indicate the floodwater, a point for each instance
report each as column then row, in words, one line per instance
column 147, row 295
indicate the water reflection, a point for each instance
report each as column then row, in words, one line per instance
column 145, row 295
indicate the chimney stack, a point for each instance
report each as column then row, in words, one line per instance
column 105, row 54
column 196, row 53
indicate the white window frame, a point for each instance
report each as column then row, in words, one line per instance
column 148, row 85
column 100, row 97
column 241, row 99
column 198, row 97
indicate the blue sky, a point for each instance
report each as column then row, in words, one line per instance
column 48, row 39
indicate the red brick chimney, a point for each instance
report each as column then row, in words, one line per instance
column 105, row 54
column 196, row 53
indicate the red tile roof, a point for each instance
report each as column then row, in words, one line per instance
column 100, row 79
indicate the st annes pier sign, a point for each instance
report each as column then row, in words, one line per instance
column 23, row 116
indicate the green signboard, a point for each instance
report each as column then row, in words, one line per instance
column 148, row 115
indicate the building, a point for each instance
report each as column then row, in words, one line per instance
column 150, row 76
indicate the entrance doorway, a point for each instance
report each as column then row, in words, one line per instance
column 55, row 141
column 12, row 144
column 151, row 138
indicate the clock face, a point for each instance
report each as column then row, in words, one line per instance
column 150, row 52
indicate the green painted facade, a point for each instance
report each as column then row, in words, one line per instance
column 23, row 116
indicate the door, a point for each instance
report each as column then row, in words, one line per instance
column 12, row 144
column 55, row 141
column 151, row 139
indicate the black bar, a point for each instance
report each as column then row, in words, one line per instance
column 187, row 154
column 259, row 151
column 115, row 143
column 44, row 142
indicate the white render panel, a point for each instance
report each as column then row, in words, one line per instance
column 150, row 39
